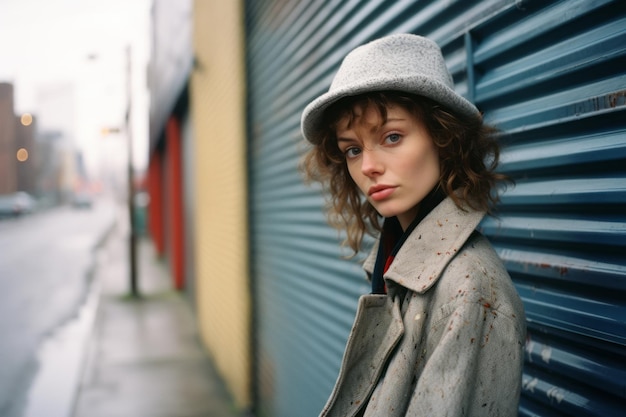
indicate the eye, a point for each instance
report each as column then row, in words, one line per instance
column 392, row 138
column 352, row 152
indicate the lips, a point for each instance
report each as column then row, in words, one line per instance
column 380, row 192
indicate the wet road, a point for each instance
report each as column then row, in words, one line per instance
column 45, row 274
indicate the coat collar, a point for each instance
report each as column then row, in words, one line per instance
column 430, row 247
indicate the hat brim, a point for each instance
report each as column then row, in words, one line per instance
column 313, row 114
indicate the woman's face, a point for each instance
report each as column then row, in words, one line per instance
column 394, row 164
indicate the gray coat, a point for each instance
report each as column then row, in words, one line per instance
column 452, row 345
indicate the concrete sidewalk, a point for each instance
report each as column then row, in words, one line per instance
column 144, row 357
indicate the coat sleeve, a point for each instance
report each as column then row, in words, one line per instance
column 474, row 363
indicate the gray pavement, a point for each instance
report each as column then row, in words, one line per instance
column 144, row 357
column 46, row 270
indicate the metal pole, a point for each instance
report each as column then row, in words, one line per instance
column 132, row 244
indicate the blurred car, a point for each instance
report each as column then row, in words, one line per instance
column 82, row 200
column 16, row 204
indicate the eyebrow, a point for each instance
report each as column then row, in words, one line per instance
column 395, row 119
column 342, row 139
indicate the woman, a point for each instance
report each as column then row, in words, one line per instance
column 406, row 158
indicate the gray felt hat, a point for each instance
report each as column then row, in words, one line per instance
column 401, row 62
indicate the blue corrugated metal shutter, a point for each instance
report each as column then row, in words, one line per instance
column 550, row 75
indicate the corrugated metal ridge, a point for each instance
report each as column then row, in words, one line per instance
column 527, row 130
column 584, row 147
column 561, row 106
column 569, row 267
column 569, row 399
column 583, row 365
column 552, row 228
column 558, row 308
column 568, row 190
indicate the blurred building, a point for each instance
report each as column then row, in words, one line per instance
column 8, row 160
column 27, row 153
column 248, row 241
column 50, row 167
column 56, row 113
column 39, row 161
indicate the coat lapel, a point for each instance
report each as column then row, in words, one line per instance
column 430, row 247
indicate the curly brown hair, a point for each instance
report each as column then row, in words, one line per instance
column 468, row 153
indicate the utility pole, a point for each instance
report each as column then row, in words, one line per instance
column 132, row 243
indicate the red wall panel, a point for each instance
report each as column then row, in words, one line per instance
column 155, row 207
column 175, row 201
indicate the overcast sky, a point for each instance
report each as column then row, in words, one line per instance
column 81, row 43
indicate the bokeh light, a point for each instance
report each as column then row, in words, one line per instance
column 22, row 154
column 26, row 119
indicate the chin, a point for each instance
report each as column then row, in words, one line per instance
column 395, row 210
column 389, row 212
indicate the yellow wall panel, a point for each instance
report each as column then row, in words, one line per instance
column 221, row 246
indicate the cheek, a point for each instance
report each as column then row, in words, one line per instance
column 436, row 167
column 422, row 158
column 354, row 172
column 425, row 169
column 430, row 162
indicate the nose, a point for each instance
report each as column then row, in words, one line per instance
column 371, row 164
